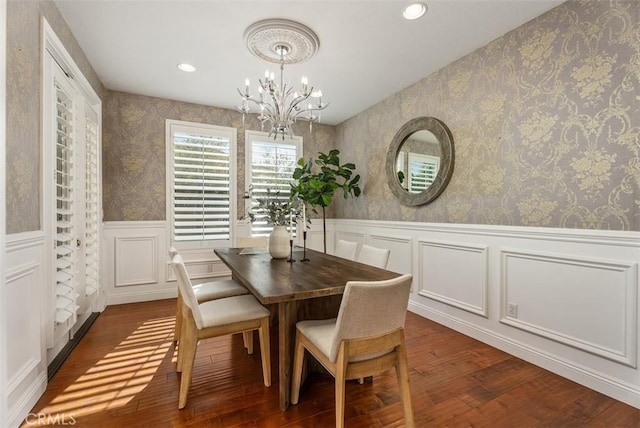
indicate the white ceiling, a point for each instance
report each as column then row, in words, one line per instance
column 367, row 50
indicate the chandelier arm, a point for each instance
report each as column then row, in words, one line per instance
column 243, row 96
column 294, row 104
column 313, row 108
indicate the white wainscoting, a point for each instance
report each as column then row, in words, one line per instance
column 566, row 300
column 593, row 302
column 136, row 263
column 26, row 353
column 465, row 287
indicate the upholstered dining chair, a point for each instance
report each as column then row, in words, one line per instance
column 346, row 249
column 378, row 257
column 214, row 318
column 207, row 291
column 366, row 339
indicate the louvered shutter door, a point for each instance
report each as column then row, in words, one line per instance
column 272, row 166
column 92, row 207
column 65, row 294
column 201, row 187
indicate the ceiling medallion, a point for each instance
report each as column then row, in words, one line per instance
column 264, row 37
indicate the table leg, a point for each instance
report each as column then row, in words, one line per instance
column 287, row 318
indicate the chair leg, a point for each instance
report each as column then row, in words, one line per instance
column 247, row 338
column 341, row 370
column 402, row 372
column 183, row 325
column 298, row 361
column 265, row 350
column 176, row 331
column 189, row 344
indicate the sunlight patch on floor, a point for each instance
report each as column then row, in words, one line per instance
column 121, row 374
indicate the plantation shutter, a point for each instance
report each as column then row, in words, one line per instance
column 201, row 186
column 92, row 206
column 65, row 293
column 423, row 169
column 272, row 166
column 71, row 194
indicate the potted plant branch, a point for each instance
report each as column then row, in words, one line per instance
column 317, row 187
column 278, row 212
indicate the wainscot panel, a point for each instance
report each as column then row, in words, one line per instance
column 564, row 299
column 136, row 263
column 465, row 287
column 593, row 306
column 26, row 355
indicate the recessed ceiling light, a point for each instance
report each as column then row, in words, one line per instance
column 414, row 11
column 186, row 67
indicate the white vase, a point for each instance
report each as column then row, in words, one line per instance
column 279, row 242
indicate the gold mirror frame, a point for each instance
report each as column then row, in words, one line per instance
column 445, row 141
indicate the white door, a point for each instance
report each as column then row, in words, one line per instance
column 72, row 203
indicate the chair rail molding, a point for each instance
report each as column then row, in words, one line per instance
column 564, row 299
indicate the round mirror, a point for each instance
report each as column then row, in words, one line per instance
column 420, row 161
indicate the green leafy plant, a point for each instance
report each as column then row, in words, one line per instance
column 316, row 186
column 276, row 209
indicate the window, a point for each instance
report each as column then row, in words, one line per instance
column 201, row 181
column 423, row 170
column 269, row 165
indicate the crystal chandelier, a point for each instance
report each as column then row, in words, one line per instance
column 281, row 41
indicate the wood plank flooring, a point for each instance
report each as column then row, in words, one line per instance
column 122, row 374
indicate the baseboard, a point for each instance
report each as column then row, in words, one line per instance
column 70, row 346
column 124, row 298
column 614, row 388
column 28, row 400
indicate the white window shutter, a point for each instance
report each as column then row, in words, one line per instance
column 201, row 184
column 271, row 167
column 423, row 169
column 92, row 207
column 65, row 294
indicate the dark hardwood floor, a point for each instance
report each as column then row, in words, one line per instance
column 122, row 374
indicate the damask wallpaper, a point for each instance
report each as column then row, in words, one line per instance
column 133, row 150
column 546, row 126
column 23, row 169
column 545, row 119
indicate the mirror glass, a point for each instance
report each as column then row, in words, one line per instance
column 420, row 161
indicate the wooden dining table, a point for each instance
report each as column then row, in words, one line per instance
column 300, row 290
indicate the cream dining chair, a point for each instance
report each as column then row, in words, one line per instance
column 205, row 292
column 366, row 339
column 378, row 257
column 219, row 317
column 346, row 249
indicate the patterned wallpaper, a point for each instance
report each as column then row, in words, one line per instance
column 23, row 105
column 545, row 119
column 546, row 126
column 133, row 150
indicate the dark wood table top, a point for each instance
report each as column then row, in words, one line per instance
column 276, row 280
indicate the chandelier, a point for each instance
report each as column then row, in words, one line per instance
column 279, row 104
